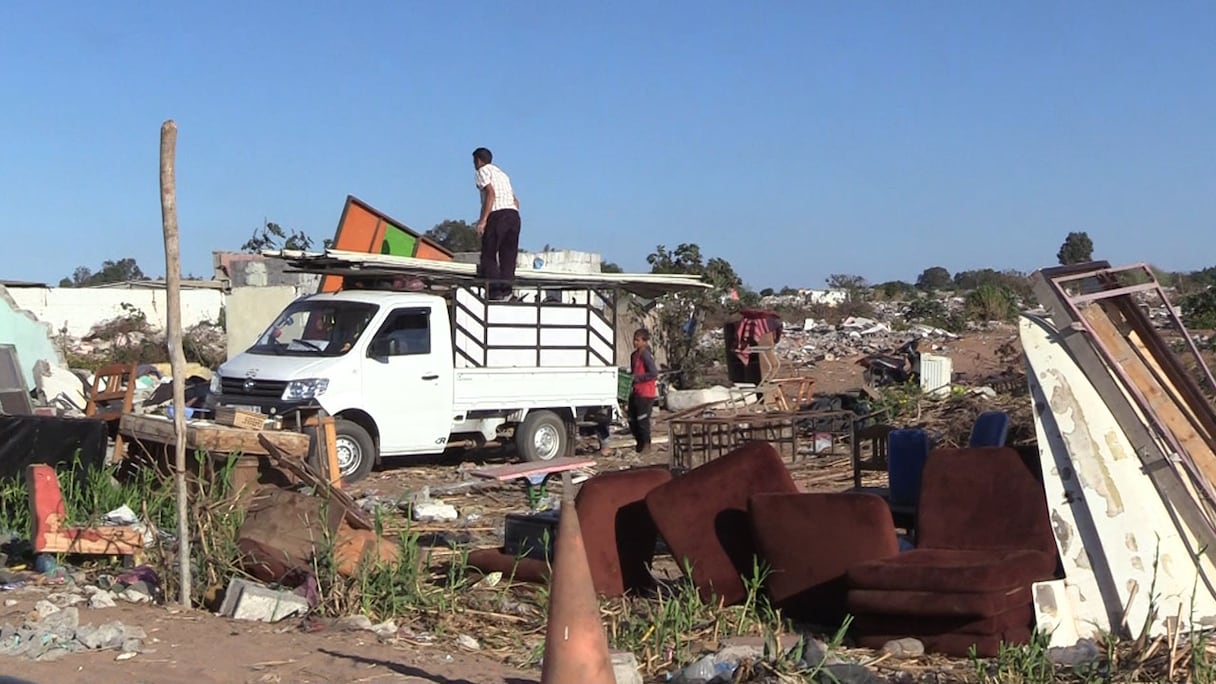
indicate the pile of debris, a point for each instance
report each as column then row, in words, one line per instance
column 50, row 632
column 821, row 341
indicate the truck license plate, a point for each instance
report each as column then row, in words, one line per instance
column 251, row 409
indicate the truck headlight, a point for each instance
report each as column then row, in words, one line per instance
column 217, row 385
column 305, row 389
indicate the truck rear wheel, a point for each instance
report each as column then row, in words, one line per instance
column 356, row 450
column 542, row 436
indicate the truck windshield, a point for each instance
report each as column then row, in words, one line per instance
column 315, row 328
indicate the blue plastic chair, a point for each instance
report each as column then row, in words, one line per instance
column 907, row 451
column 990, row 430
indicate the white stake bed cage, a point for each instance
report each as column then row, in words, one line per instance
column 563, row 319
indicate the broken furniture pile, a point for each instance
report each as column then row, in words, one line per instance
column 983, row 537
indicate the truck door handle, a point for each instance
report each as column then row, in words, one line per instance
column 434, row 376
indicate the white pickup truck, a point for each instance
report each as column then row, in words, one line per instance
column 405, row 373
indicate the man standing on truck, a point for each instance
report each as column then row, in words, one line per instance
column 498, row 225
column 645, row 389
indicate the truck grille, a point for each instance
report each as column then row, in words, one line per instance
column 249, row 387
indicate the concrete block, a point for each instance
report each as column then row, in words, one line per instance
column 625, row 668
column 247, row 600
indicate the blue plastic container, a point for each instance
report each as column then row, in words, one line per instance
column 906, row 453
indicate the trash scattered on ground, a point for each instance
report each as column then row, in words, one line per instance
column 50, row 632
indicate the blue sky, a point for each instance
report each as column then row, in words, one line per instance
column 794, row 139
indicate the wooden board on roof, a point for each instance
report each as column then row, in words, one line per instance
column 363, row 228
column 347, row 263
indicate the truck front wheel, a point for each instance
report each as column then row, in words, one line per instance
column 542, row 436
column 356, row 450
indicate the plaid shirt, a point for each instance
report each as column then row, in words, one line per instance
column 504, row 196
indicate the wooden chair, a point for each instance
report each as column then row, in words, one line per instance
column 112, row 395
column 875, row 438
column 49, row 532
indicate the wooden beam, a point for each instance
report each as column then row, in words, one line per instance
column 211, row 437
column 1164, row 405
column 330, row 443
column 177, row 357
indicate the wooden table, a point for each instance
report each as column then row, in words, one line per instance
column 534, row 473
column 203, row 435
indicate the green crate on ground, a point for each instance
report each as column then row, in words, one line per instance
column 624, row 384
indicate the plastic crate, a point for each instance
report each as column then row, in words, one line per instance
column 624, row 384
column 530, row 535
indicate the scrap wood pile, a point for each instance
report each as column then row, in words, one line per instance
column 952, row 419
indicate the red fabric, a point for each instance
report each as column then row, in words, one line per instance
column 647, row 389
column 810, row 540
column 982, row 498
column 950, row 570
column 617, row 529
column 748, row 332
column 702, row 515
column 937, row 604
column 1021, row 616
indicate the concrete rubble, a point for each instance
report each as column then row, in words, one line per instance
column 813, row 659
column 50, row 632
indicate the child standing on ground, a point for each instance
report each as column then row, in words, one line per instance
column 645, row 389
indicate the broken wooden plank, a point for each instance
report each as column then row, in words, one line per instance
column 1162, row 404
column 210, row 437
column 522, row 470
column 297, row 464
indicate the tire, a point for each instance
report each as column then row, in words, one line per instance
column 542, row 436
column 356, row 450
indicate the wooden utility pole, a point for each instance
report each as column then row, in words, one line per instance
column 177, row 357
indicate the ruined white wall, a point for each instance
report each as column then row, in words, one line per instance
column 31, row 337
column 79, row 309
column 250, row 310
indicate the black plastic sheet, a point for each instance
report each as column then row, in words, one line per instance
column 59, row 442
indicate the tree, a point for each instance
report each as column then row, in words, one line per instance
column 844, row 281
column 679, row 315
column 1077, row 249
column 767, row 292
column 896, row 289
column 1199, row 310
column 273, row 237
column 685, row 259
column 456, row 236
column 121, row 271
column 934, row 278
column 609, row 267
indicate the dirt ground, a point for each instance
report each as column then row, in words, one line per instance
column 197, row 647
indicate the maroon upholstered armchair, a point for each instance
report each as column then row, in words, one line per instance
column 983, row 537
column 703, row 517
column 809, row 541
column 617, row 532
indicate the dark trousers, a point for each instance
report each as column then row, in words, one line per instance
column 499, row 248
column 639, row 419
